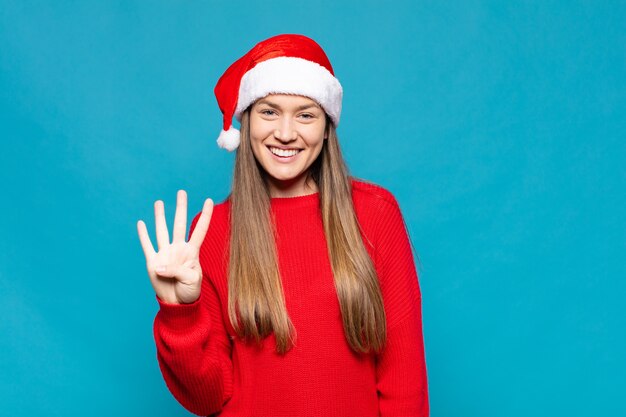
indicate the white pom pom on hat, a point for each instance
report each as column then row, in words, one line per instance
column 229, row 139
column 287, row 64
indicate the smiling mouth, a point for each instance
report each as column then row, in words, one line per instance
column 282, row 153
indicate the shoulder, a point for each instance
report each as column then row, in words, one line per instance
column 372, row 196
column 222, row 209
column 376, row 208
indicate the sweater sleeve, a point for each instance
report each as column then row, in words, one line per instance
column 193, row 350
column 400, row 367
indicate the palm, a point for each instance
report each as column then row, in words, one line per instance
column 185, row 288
column 181, row 280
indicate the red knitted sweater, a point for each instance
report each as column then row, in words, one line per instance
column 209, row 371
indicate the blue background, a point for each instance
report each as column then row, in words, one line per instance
column 499, row 126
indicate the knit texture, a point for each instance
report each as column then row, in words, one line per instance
column 211, row 372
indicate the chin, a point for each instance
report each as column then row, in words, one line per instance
column 279, row 177
column 288, row 174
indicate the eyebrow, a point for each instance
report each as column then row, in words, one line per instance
column 276, row 106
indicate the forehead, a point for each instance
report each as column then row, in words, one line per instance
column 286, row 101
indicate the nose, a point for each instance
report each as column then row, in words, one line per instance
column 286, row 131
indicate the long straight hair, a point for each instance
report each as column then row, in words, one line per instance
column 256, row 303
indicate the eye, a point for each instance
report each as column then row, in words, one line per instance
column 307, row 115
column 267, row 112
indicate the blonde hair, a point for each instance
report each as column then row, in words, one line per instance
column 256, row 304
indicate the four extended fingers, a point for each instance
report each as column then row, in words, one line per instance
column 180, row 221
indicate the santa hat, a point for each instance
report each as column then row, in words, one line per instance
column 282, row 64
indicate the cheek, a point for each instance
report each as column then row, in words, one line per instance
column 315, row 136
column 313, row 132
column 260, row 129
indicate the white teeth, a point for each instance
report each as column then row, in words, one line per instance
column 282, row 152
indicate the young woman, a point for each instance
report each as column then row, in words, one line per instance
column 298, row 294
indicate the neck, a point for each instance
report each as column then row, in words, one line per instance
column 291, row 188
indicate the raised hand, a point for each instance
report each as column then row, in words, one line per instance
column 174, row 270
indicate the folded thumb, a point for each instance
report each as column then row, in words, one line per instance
column 164, row 271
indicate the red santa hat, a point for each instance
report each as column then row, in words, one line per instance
column 282, row 64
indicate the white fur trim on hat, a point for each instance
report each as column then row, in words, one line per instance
column 291, row 75
column 229, row 139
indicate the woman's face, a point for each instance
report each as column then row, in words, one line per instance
column 287, row 133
